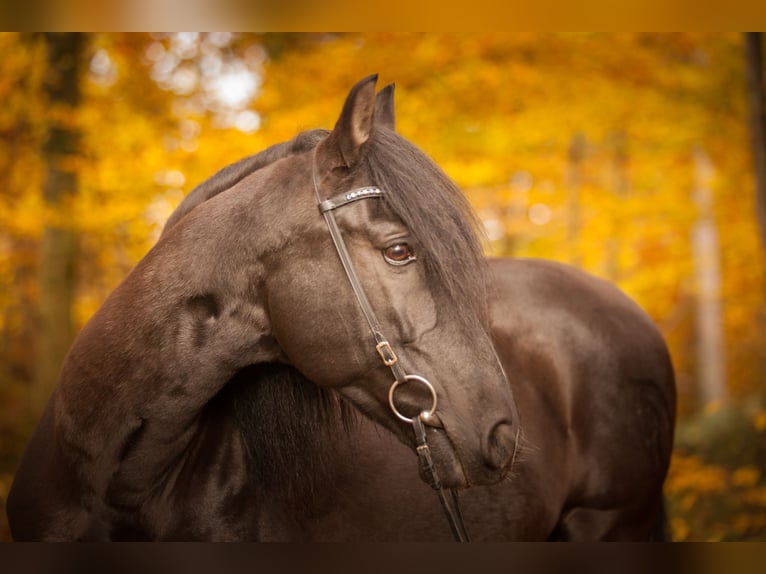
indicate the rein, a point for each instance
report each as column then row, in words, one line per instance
column 447, row 497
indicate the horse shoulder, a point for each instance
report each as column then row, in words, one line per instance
column 39, row 508
column 592, row 376
column 206, row 493
column 576, row 315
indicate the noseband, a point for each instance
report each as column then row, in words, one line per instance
column 448, row 499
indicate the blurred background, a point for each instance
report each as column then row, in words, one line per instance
column 628, row 155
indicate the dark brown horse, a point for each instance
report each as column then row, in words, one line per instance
column 230, row 387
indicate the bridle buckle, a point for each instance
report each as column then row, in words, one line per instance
column 386, row 353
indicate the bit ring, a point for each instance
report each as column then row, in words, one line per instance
column 424, row 414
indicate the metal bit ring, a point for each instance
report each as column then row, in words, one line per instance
column 423, row 413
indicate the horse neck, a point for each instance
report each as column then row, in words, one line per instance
column 167, row 340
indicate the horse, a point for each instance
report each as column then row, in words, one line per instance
column 237, row 385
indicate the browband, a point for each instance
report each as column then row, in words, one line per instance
column 348, row 197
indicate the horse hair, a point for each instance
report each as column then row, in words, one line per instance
column 446, row 230
column 291, row 429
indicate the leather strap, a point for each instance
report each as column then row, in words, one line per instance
column 447, row 497
column 348, row 197
column 326, row 208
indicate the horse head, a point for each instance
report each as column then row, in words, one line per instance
column 416, row 258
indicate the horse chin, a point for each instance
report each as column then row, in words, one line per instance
column 461, row 472
column 449, row 468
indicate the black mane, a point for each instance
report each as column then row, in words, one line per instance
column 437, row 215
column 291, row 429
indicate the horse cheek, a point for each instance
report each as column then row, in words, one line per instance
column 316, row 329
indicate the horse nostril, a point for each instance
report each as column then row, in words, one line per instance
column 500, row 446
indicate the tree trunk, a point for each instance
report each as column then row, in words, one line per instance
column 706, row 249
column 620, row 184
column 58, row 249
column 573, row 182
column 756, row 97
column 757, row 121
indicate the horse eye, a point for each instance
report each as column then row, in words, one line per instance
column 399, row 254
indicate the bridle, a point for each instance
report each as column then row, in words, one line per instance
column 447, row 497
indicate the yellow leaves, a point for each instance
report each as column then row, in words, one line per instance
column 688, row 502
column 62, row 116
column 750, row 522
column 756, row 496
column 691, row 475
column 84, row 308
column 702, row 494
column 473, row 173
column 679, row 529
column 746, row 477
column 713, row 407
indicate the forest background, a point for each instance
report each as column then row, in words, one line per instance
column 629, row 155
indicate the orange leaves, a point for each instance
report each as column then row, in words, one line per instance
column 759, row 420
column 692, row 477
column 747, row 477
column 709, row 502
column 716, row 487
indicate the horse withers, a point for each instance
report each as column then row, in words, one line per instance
column 244, row 381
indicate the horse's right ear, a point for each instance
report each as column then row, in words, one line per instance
column 354, row 126
column 384, row 107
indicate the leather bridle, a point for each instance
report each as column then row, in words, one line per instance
column 447, row 497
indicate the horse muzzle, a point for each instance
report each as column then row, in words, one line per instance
column 466, row 449
column 461, row 462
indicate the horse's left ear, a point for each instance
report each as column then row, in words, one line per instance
column 384, row 107
column 355, row 123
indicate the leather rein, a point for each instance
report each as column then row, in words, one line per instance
column 447, row 497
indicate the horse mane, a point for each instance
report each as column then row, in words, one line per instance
column 291, row 430
column 232, row 174
column 446, row 230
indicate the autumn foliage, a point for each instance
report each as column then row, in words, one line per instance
column 608, row 151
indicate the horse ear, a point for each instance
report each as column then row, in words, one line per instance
column 355, row 123
column 384, row 107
